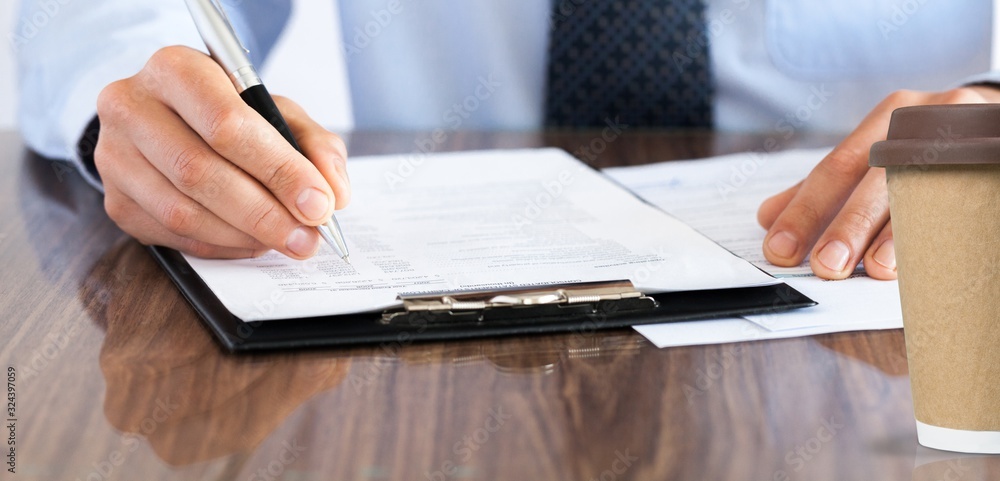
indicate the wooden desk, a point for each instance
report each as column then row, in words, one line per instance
column 117, row 378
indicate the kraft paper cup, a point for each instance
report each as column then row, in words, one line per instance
column 943, row 171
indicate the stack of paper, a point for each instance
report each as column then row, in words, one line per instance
column 719, row 197
column 473, row 221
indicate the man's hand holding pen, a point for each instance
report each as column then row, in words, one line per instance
column 188, row 165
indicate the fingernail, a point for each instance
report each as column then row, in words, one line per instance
column 783, row 244
column 886, row 255
column 313, row 203
column 301, row 242
column 834, row 255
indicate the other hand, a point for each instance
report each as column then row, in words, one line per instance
column 839, row 214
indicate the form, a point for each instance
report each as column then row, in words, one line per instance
column 719, row 197
column 477, row 220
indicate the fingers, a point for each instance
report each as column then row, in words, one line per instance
column 840, row 211
column 841, row 247
column 201, row 94
column 823, row 193
column 774, row 205
column 880, row 259
column 324, row 149
column 812, row 207
column 182, row 224
column 197, row 172
column 148, row 231
column 176, row 212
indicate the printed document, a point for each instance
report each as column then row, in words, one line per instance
column 477, row 220
column 719, row 197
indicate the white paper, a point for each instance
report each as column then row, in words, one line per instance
column 477, row 220
column 720, row 197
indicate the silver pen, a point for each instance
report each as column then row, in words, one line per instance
column 228, row 51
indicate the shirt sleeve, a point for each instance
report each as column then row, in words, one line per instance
column 992, row 77
column 68, row 51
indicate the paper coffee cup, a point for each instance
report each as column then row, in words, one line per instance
column 943, row 171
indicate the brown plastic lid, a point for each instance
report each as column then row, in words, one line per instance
column 940, row 134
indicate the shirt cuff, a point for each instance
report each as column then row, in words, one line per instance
column 992, row 77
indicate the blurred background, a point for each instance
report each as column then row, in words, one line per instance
column 286, row 73
column 8, row 99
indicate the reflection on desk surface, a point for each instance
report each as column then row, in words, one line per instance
column 119, row 380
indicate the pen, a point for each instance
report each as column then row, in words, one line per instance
column 228, row 51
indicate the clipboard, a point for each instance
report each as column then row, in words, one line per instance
column 576, row 308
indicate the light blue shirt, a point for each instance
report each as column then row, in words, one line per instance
column 779, row 65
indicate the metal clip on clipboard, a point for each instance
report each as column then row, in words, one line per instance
column 567, row 301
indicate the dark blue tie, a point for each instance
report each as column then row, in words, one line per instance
column 642, row 62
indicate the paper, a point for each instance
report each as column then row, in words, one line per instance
column 477, row 220
column 719, row 197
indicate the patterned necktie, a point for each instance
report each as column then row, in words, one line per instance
column 644, row 62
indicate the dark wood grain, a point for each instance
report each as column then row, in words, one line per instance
column 117, row 378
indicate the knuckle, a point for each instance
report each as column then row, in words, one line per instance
column 340, row 149
column 283, row 175
column 331, row 148
column 803, row 214
column 115, row 208
column 960, row 96
column 103, row 160
column 844, row 163
column 861, row 221
column 200, row 249
column 170, row 58
column 284, row 103
column 180, row 217
column 114, row 103
column 240, row 253
column 264, row 219
column 224, row 125
column 190, row 166
column 904, row 97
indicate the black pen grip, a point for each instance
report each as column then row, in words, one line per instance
column 260, row 100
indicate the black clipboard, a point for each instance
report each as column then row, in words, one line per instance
column 469, row 320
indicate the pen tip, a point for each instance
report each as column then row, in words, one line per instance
column 347, row 259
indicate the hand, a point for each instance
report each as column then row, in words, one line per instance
column 840, row 213
column 188, row 165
